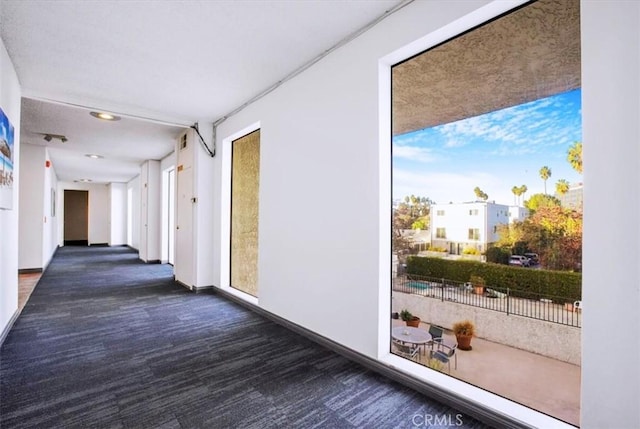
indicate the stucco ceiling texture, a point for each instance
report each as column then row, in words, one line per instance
column 524, row 56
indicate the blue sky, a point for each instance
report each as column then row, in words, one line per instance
column 494, row 151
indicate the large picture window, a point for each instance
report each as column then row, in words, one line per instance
column 487, row 127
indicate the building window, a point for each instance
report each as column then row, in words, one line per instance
column 473, row 212
column 474, row 234
column 441, row 233
column 440, row 213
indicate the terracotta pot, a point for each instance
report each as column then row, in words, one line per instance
column 464, row 342
column 478, row 290
column 415, row 322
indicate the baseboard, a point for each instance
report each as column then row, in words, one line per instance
column 99, row 245
column 198, row 289
column 30, row 270
column 76, row 242
column 7, row 328
column 152, row 261
column 435, row 392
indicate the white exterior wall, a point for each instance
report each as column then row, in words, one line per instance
column 517, row 213
column 457, row 221
column 497, row 214
column 10, row 93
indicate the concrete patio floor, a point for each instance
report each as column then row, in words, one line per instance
column 544, row 384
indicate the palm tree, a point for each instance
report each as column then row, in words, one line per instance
column 523, row 189
column 516, row 192
column 562, row 187
column 574, row 156
column 545, row 173
column 480, row 194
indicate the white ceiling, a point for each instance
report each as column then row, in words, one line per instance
column 178, row 62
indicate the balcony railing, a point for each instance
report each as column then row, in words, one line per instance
column 550, row 308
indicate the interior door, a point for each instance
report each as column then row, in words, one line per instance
column 171, row 211
column 184, row 254
column 76, row 218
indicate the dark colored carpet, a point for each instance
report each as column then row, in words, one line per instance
column 106, row 341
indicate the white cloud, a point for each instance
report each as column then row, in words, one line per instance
column 419, row 154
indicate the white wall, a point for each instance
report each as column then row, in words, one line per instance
column 150, row 211
column 118, row 204
column 167, row 163
column 204, row 216
column 320, row 172
column 32, row 159
column 319, row 199
column 134, row 186
column 50, row 226
column 611, row 256
column 10, row 93
column 99, row 211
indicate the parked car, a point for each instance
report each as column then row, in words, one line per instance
column 519, row 260
column 533, row 258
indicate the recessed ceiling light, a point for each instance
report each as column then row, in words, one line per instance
column 105, row 116
column 93, row 156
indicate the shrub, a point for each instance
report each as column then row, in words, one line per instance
column 534, row 284
column 406, row 315
column 465, row 328
column 470, row 251
column 497, row 255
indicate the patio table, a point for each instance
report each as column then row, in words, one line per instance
column 409, row 334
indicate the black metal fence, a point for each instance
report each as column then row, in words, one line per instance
column 554, row 309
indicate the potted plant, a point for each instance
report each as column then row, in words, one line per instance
column 478, row 284
column 464, row 331
column 409, row 318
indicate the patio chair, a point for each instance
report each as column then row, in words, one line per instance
column 444, row 354
column 408, row 350
column 436, row 335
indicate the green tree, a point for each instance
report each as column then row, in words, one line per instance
column 545, row 173
column 553, row 232
column 538, row 201
column 412, row 213
column 574, row 156
column 562, row 187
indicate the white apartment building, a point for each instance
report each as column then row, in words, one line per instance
column 458, row 226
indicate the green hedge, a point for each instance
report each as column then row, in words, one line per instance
column 533, row 283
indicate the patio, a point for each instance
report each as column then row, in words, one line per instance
column 545, row 384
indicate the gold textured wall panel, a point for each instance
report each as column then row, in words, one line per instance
column 245, row 185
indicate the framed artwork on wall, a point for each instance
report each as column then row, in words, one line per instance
column 6, row 162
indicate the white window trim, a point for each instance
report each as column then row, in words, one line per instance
column 225, row 215
column 474, row 394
